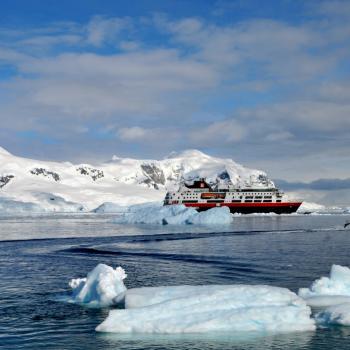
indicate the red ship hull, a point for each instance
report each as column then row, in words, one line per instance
column 249, row 208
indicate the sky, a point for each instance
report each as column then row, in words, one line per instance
column 263, row 82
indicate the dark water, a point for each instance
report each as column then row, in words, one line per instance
column 40, row 254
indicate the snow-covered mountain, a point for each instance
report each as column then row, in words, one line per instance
column 63, row 186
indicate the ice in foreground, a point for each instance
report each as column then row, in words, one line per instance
column 213, row 308
column 103, row 286
column 331, row 290
column 336, row 314
column 190, row 309
column 175, row 215
column 331, row 293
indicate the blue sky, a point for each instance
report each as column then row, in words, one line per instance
column 265, row 83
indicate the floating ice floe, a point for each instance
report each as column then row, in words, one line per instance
column 212, row 308
column 332, row 295
column 190, row 309
column 330, row 290
column 103, row 286
column 336, row 315
column 174, row 215
column 310, row 207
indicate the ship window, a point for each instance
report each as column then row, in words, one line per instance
column 278, row 200
column 248, row 201
column 267, row 201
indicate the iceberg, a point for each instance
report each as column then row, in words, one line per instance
column 190, row 309
column 335, row 315
column 331, row 295
column 214, row 216
column 310, row 207
column 331, row 290
column 174, row 215
column 109, row 207
column 209, row 308
column 322, row 301
column 103, row 286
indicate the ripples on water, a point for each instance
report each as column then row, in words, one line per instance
column 35, row 266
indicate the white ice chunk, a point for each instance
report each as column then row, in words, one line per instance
column 337, row 284
column 156, row 214
column 198, row 309
column 326, row 300
column 175, row 215
column 109, row 207
column 103, row 286
column 214, row 216
column 336, row 314
column 310, row 207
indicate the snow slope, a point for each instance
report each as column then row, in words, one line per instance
column 63, row 186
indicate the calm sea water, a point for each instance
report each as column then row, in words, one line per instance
column 40, row 254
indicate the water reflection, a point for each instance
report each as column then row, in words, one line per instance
column 210, row 341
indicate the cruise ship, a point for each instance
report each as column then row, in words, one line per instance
column 201, row 196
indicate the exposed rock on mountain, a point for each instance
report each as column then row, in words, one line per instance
column 46, row 173
column 154, row 175
column 4, row 180
column 93, row 173
column 123, row 181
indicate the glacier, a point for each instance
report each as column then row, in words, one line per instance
column 103, row 286
column 174, row 215
column 10, row 206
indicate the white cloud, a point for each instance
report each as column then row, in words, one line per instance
column 135, row 133
column 279, row 136
column 276, row 82
column 314, row 114
column 132, row 83
column 44, row 41
column 228, row 131
column 101, row 29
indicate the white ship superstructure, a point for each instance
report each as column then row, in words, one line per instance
column 252, row 199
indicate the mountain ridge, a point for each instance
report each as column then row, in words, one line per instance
column 84, row 186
